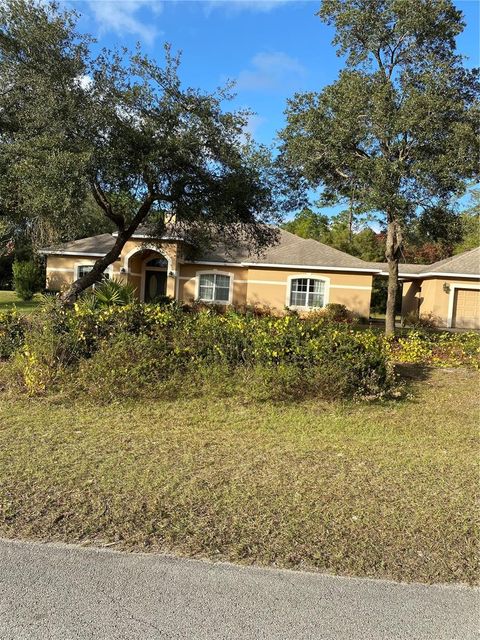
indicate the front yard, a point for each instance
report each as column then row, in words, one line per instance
column 384, row 489
column 9, row 300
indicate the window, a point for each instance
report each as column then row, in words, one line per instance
column 157, row 263
column 307, row 292
column 83, row 269
column 214, row 287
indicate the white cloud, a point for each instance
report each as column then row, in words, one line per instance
column 85, row 81
column 120, row 16
column 270, row 71
column 234, row 6
column 254, row 122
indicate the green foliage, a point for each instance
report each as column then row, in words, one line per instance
column 27, row 279
column 470, row 224
column 437, row 348
column 337, row 313
column 397, row 133
column 123, row 128
column 338, row 232
column 164, row 343
column 45, row 355
column 138, row 350
column 113, row 292
column 309, row 224
column 12, row 329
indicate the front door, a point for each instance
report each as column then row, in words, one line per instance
column 155, row 284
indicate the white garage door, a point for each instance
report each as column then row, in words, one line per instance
column 466, row 310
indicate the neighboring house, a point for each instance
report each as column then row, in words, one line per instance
column 447, row 291
column 297, row 273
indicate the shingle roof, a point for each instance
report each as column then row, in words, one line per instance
column 291, row 250
column 467, row 262
column 95, row 245
column 294, row 251
column 403, row 268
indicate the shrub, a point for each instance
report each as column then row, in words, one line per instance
column 413, row 319
column 337, row 313
column 274, row 358
column 27, row 279
column 139, row 349
column 436, row 348
column 113, row 292
column 12, row 330
column 44, row 356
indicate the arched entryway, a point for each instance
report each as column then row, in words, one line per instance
column 154, row 277
column 150, row 271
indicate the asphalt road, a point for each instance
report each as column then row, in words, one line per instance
column 65, row 592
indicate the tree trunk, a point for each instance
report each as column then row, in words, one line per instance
column 95, row 275
column 392, row 253
column 124, row 234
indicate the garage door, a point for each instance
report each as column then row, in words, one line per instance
column 466, row 310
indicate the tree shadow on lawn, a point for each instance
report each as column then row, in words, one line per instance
column 408, row 372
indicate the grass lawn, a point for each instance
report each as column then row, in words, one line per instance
column 384, row 490
column 8, row 299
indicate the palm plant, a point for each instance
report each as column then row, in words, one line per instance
column 114, row 293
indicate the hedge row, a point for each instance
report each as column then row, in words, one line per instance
column 140, row 349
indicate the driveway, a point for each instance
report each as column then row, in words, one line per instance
column 65, row 592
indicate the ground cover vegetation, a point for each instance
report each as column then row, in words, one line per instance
column 9, row 301
column 242, row 436
column 109, row 346
column 384, row 489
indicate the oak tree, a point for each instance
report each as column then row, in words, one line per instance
column 398, row 130
column 120, row 128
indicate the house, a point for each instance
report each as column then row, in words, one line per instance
column 447, row 291
column 297, row 273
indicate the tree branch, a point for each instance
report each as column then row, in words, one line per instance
column 103, row 203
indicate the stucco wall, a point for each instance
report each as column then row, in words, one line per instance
column 411, row 297
column 268, row 287
column 61, row 270
column 260, row 286
column 187, row 285
column 137, row 251
column 436, row 296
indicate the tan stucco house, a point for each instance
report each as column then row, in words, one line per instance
column 296, row 273
column 447, row 291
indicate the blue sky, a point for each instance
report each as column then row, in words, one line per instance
column 271, row 48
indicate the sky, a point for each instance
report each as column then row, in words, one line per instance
column 270, row 48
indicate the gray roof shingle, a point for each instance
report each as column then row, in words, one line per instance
column 291, row 250
column 467, row 262
column 95, row 245
column 294, row 251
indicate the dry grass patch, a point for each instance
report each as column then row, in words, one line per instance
column 380, row 490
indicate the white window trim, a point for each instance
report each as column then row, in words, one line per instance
column 89, row 263
column 451, row 298
column 311, row 276
column 217, row 273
